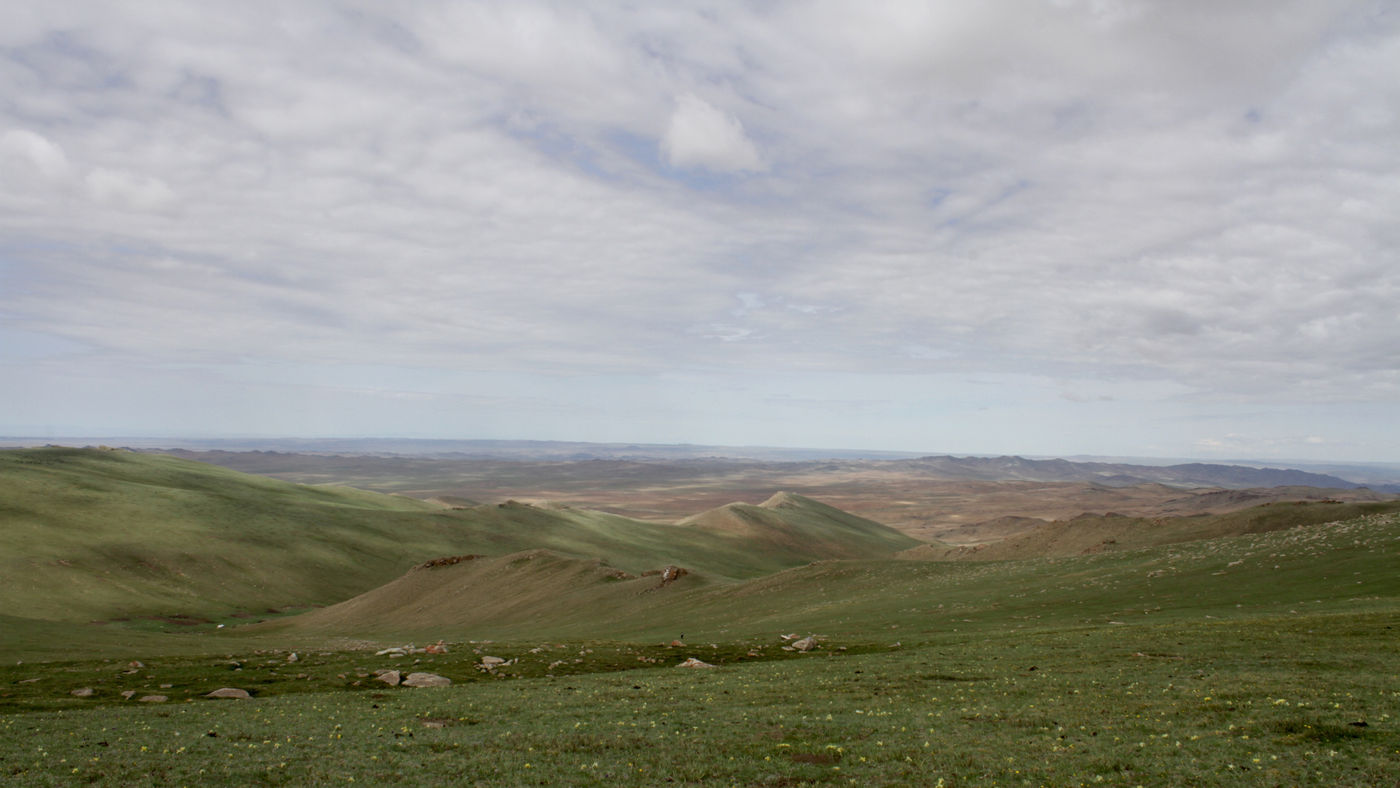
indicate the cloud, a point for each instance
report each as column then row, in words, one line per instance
column 26, row 155
column 701, row 136
column 1195, row 202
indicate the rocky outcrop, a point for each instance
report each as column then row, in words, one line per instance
column 426, row 680
column 447, row 561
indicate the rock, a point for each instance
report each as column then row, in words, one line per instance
column 426, row 680
column 229, row 692
column 136, row 663
column 694, row 663
column 436, row 648
column 390, row 677
column 84, row 692
column 792, row 636
column 492, row 662
column 292, row 657
column 152, row 698
column 128, row 694
column 805, row 644
column 677, row 644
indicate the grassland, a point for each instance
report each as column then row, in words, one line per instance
column 1261, row 658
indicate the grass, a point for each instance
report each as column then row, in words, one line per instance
column 1263, row 702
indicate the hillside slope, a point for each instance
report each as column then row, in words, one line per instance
column 94, row 534
column 1108, row 533
column 1342, row 566
column 793, row 524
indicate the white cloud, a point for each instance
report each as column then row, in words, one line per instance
column 25, row 155
column 701, row 136
column 1165, row 197
column 128, row 190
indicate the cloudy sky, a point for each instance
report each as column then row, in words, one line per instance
column 1060, row 227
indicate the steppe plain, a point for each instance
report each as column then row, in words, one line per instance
column 1151, row 635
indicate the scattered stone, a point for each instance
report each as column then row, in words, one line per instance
column 128, row 694
column 292, row 657
column 152, row 698
column 677, row 644
column 136, row 663
column 390, row 677
column 492, row 662
column 28, row 681
column 792, row 636
column 426, row 680
column 84, row 692
column 694, row 663
column 166, row 686
column 436, row 648
column 805, row 644
column 229, row 692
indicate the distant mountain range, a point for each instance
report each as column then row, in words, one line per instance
column 1117, row 472
column 1193, row 474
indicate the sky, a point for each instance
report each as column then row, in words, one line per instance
column 1064, row 227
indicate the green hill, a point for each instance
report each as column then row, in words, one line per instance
column 94, row 534
column 1338, row 566
column 1111, row 532
column 103, row 535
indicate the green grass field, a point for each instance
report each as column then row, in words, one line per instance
column 1269, row 657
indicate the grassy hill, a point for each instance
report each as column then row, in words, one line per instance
column 106, row 535
column 91, row 534
column 1332, row 567
column 1107, row 533
column 791, row 524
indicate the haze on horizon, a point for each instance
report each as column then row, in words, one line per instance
column 1070, row 227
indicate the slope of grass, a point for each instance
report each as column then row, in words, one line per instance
column 91, row 534
column 796, row 525
column 1258, row 659
column 155, row 542
column 1342, row 566
column 1106, row 533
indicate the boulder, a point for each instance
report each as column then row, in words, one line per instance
column 229, row 692
column 390, row 677
column 426, row 680
column 805, row 644
column 694, row 663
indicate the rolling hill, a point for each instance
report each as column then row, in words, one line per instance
column 92, row 534
column 1108, row 533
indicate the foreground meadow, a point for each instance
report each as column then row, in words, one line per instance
column 1311, row 699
